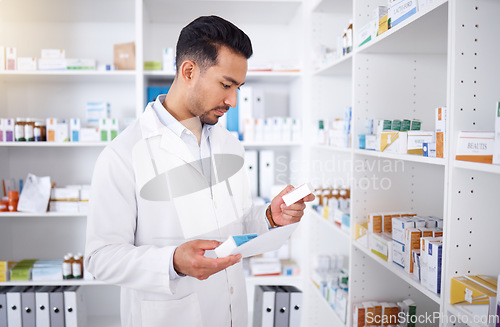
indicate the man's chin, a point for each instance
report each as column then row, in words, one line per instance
column 210, row 121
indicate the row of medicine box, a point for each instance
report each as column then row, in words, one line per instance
column 66, row 130
column 405, row 137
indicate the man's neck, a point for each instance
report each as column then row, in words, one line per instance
column 191, row 123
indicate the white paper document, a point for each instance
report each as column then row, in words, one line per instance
column 268, row 241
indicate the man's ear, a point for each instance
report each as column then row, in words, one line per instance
column 188, row 70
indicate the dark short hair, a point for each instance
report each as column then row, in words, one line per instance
column 201, row 40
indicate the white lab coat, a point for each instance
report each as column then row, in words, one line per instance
column 130, row 239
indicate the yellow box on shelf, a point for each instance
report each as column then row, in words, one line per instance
column 465, row 291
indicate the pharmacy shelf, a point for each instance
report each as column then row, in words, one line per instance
column 407, row 37
column 482, row 167
column 330, row 225
column 68, row 75
column 336, row 319
column 54, row 144
column 330, row 148
column 340, row 67
column 42, row 214
column 68, row 282
column 404, row 157
column 463, row 317
column 400, row 272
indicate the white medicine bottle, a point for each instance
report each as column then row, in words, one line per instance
column 76, row 267
column 66, row 267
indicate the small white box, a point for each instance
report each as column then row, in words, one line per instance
column 416, row 140
column 441, row 134
column 26, row 64
column 51, row 129
column 104, row 130
column 398, row 252
column 371, row 142
column 475, row 146
column 10, row 58
column 51, row 64
column 298, row 194
column 399, row 224
column 168, row 60
column 89, row 134
column 381, row 245
column 401, row 10
column 80, row 64
column 62, row 131
column 113, row 128
column 434, row 264
column 367, row 33
column 429, row 150
column 232, row 242
column 95, row 111
column 393, row 141
column 64, row 194
column 53, row 54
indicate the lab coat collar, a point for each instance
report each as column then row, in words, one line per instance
column 151, row 126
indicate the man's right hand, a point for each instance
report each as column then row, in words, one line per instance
column 189, row 259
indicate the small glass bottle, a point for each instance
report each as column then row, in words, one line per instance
column 67, row 267
column 76, row 267
column 19, row 130
column 39, row 131
column 13, row 200
column 29, row 127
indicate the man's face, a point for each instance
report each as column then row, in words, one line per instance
column 215, row 90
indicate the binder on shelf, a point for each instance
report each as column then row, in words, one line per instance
column 43, row 305
column 251, row 165
column 295, row 307
column 56, row 301
column 3, row 305
column 258, row 103
column 14, row 312
column 74, row 303
column 282, row 306
column 28, row 307
column 245, row 110
column 266, row 173
column 263, row 306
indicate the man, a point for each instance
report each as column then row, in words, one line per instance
column 170, row 188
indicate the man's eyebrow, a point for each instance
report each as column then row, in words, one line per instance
column 232, row 80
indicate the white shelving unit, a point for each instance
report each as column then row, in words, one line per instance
column 443, row 56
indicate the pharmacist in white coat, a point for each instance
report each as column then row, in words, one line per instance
column 171, row 187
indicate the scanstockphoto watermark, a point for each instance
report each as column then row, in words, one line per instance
column 428, row 318
column 365, row 174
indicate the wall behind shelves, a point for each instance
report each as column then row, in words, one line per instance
column 385, row 185
column 399, row 87
column 55, row 237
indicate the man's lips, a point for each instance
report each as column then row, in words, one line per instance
column 220, row 112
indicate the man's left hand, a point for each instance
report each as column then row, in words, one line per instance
column 283, row 214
